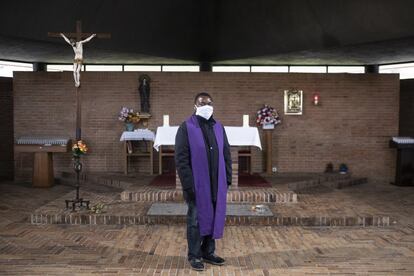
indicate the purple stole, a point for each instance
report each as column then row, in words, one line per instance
column 210, row 222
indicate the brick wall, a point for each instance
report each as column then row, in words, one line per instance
column 358, row 114
column 6, row 128
column 407, row 108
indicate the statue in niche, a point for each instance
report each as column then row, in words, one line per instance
column 144, row 92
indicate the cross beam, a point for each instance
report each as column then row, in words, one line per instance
column 79, row 35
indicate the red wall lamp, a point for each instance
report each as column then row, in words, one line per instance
column 316, row 99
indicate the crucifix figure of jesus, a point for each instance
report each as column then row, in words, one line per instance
column 78, row 49
column 76, row 40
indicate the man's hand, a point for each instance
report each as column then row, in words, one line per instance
column 189, row 195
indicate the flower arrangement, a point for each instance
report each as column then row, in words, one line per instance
column 79, row 148
column 97, row 208
column 128, row 115
column 267, row 115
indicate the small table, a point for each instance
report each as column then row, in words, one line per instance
column 237, row 136
column 145, row 135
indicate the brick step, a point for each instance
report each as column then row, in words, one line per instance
column 154, row 194
column 117, row 211
column 311, row 221
column 257, row 195
column 340, row 184
column 332, row 180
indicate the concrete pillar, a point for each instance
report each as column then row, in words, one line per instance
column 372, row 68
column 205, row 66
column 39, row 67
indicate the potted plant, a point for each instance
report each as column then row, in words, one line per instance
column 129, row 117
column 267, row 117
column 343, row 168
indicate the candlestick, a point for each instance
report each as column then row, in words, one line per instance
column 166, row 120
column 245, row 120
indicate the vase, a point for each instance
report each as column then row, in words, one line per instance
column 129, row 126
column 268, row 126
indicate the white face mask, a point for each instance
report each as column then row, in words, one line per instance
column 204, row 111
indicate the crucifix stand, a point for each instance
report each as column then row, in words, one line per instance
column 77, row 166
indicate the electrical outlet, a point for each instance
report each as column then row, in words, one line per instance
column 274, row 169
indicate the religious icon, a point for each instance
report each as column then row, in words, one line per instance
column 293, row 102
column 78, row 49
column 144, row 92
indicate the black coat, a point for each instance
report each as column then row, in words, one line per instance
column 183, row 157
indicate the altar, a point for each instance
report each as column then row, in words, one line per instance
column 237, row 137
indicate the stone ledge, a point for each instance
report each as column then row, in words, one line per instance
column 268, row 195
column 181, row 209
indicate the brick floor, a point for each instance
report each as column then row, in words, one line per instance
column 53, row 249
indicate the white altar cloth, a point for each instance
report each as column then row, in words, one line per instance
column 138, row 134
column 237, row 136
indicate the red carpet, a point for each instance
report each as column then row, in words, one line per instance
column 245, row 180
column 253, row 180
column 163, row 180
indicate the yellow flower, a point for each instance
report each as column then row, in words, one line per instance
column 79, row 147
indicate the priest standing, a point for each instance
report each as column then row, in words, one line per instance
column 203, row 162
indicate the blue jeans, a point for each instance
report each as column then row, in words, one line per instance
column 198, row 246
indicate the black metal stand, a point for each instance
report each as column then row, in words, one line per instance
column 77, row 165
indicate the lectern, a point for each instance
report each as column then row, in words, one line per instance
column 43, row 149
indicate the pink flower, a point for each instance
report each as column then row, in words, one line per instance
column 267, row 114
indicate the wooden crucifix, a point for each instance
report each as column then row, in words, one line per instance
column 76, row 41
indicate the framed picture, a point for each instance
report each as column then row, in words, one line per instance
column 293, row 102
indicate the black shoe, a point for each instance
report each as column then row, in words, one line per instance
column 214, row 259
column 196, row 264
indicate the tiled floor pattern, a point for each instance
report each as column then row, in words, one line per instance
column 161, row 250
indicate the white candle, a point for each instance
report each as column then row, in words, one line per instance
column 166, row 120
column 245, row 120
